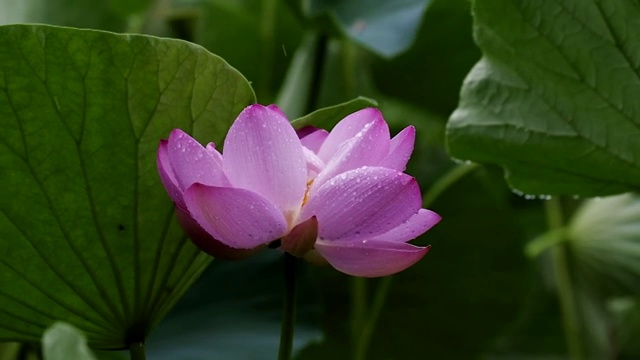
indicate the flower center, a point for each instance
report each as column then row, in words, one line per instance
column 306, row 193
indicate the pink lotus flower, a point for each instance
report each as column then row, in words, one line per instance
column 341, row 197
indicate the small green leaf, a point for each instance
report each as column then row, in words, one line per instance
column 65, row 342
column 87, row 233
column 554, row 99
column 327, row 117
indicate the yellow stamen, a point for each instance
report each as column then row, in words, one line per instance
column 306, row 193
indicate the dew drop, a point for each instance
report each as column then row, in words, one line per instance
column 517, row 192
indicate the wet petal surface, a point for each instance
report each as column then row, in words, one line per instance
column 238, row 218
column 262, row 153
column 370, row 258
column 363, row 203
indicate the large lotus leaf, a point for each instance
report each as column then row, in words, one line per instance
column 87, row 234
column 555, row 98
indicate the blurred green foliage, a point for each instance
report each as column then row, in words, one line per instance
column 476, row 295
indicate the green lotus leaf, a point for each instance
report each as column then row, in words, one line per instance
column 87, row 234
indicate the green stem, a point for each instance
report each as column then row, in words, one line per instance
column 137, row 352
column 362, row 345
column 358, row 308
column 362, row 336
column 319, row 61
column 566, row 297
column 294, row 94
column 289, row 313
column 445, row 182
column 349, row 65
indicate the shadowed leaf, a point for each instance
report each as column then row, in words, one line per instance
column 554, row 99
column 87, row 234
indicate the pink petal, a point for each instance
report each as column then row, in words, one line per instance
column 238, row 218
column 205, row 242
column 363, row 203
column 314, row 164
column 367, row 148
column 262, row 153
column 167, row 176
column 370, row 258
column 312, row 138
column 217, row 157
column 192, row 163
column 401, row 147
column 412, row 228
column 346, row 129
column 307, row 130
column 275, row 108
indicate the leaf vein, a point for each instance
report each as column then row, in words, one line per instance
column 99, row 231
column 571, row 63
column 84, row 297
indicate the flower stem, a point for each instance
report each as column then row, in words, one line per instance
column 445, row 182
column 358, row 308
column 349, row 66
column 289, row 313
column 136, row 351
column 566, row 297
column 362, row 335
column 369, row 326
